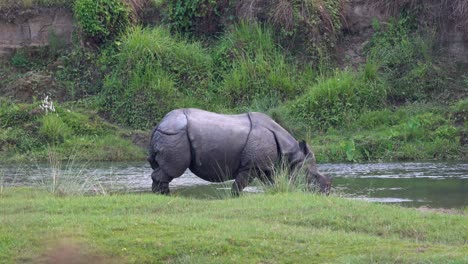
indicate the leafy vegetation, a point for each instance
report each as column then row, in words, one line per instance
column 27, row 132
column 404, row 60
column 339, row 99
column 154, row 71
column 102, row 20
column 347, row 114
column 252, row 67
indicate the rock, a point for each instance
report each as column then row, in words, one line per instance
column 33, row 27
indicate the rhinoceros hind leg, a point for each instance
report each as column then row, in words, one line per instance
column 266, row 177
column 243, row 179
column 160, row 181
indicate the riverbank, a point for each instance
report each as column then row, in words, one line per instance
column 379, row 88
column 295, row 227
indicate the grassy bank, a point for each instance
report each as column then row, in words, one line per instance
column 282, row 228
column 29, row 132
column 403, row 103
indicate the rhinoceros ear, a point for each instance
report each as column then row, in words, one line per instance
column 304, row 148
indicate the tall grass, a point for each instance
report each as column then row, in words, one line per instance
column 252, row 67
column 285, row 180
column 404, row 61
column 68, row 179
column 154, row 71
column 53, row 129
column 2, row 181
column 337, row 100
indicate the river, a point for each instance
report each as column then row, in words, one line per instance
column 414, row 184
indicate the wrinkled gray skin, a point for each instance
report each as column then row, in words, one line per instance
column 218, row 148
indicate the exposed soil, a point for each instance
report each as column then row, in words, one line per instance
column 31, row 86
column 441, row 210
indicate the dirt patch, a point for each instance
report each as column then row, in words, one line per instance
column 70, row 252
column 441, row 210
column 139, row 138
column 32, row 86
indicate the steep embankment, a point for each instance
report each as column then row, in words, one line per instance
column 359, row 84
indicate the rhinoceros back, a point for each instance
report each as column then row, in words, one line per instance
column 217, row 142
column 287, row 145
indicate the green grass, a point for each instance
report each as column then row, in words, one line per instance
column 283, row 228
column 154, row 73
column 412, row 132
column 28, row 133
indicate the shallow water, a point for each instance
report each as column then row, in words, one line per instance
column 438, row 185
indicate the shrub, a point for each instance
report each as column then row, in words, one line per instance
column 153, row 72
column 251, row 67
column 20, row 60
column 259, row 78
column 53, row 129
column 305, row 27
column 202, row 17
column 102, row 20
column 337, row 100
column 404, row 61
column 12, row 114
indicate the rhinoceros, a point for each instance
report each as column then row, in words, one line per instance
column 218, row 147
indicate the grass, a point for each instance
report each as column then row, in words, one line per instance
column 66, row 178
column 155, row 73
column 282, row 228
column 27, row 132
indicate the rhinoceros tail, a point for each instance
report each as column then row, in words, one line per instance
column 151, row 151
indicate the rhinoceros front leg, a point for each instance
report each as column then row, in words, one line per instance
column 160, row 181
column 243, row 179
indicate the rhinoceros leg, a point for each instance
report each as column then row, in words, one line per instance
column 160, row 181
column 170, row 159
column 243, row 179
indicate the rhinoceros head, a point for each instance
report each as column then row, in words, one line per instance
column 324, row 182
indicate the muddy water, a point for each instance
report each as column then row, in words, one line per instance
column 438, row 185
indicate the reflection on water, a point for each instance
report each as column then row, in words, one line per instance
column 411, row 184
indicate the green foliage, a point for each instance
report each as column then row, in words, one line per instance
column 308, row 28
column 102, row 20
column 12, row 114
column 26, row 131
column 244, row 41
column 153, row 72
column 53, row 129
column 79, row 73
column 251, row 67
column 20, row 60
column 259, row 78
column 283, row 180
column 404, row 61
column 337, row 100
column 414, row 132
column 195, row 16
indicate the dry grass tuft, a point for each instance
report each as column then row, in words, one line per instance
column 248, row 10
column 137, row 7
column 283, row 15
